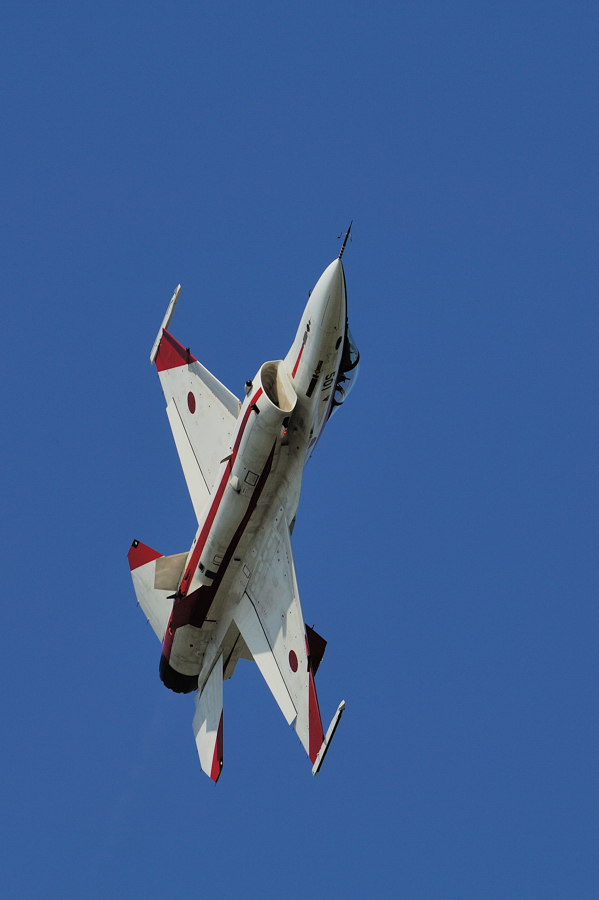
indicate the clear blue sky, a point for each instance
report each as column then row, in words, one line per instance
column 446, row 542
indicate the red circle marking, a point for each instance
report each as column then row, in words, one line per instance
column 293, row 661
column 191, row 402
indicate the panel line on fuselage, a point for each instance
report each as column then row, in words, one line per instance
column 192, row 609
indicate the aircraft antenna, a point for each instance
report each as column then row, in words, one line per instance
column 347, row 234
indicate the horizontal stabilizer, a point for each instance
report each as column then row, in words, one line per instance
column 208, row 722
column 155, row 579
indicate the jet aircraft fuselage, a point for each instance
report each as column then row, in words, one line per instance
column 234, row 594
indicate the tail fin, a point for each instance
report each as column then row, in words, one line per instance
column 208, row 722
column 155, row 579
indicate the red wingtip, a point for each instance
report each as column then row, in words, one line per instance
column 217, row 760
column 316, row 732
column 171, row 354
column 139, row 554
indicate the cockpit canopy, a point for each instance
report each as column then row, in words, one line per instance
column 348, row 370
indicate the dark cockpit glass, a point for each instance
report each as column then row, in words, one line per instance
column 348, row 370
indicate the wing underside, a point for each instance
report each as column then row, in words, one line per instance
column 202, row 414
column 270, row 620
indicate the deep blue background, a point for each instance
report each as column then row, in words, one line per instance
column 447, row 536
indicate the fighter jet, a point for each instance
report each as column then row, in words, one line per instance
column 234, row 594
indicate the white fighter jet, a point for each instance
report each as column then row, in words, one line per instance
column 234, row 594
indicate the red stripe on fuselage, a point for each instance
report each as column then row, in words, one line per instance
column 297, row 362
column 197, row 550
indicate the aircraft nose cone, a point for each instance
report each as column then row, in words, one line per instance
column 328, row 299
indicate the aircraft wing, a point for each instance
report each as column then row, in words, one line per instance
column 271, row 623
column 201, row 412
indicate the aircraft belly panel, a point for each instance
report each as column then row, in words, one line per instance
column 189, row 646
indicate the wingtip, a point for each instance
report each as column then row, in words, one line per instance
column 217, row 759
column 328, row 738
column 165, row 323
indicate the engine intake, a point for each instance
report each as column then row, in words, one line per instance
column 277, row 386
